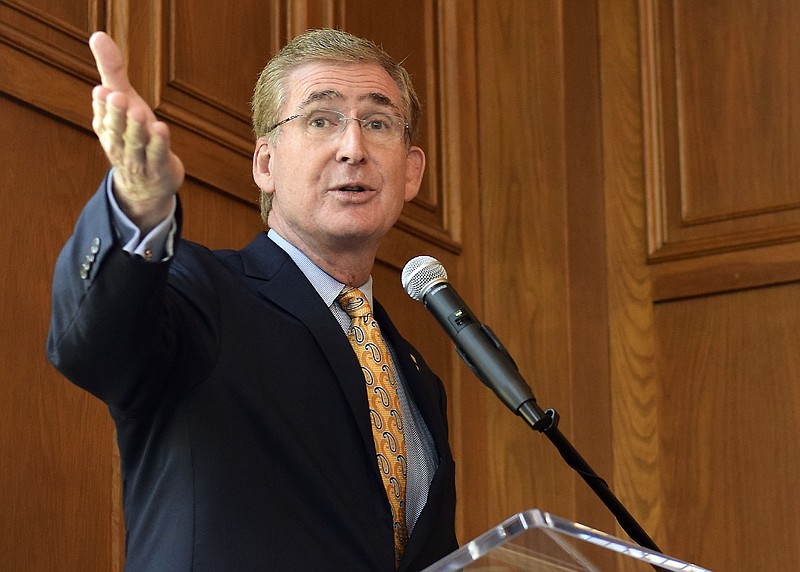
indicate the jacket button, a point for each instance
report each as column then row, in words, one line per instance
column 89, row 259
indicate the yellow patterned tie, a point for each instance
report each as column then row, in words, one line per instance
column 384, row 406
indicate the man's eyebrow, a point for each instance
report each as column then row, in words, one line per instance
column 380, row 99
column 324, row 95
column 331, row 94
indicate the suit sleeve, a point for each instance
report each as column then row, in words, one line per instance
column 116, row 323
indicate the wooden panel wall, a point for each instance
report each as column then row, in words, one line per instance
column 701, row 197
column 56, row 444
column 632, row 365
column 523, row 243
column 721, row 149
column 543, row 243
column 639, row 192
column 728, row 365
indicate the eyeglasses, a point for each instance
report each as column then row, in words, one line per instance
column 325, row 124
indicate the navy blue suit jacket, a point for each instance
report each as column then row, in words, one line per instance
column 240, row 409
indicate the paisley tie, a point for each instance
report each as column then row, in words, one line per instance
column 384, row 406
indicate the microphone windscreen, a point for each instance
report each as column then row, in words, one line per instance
column 420, row 273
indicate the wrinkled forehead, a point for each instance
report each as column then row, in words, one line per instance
column 338, row 84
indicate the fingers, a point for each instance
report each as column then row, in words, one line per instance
column 123, row 133
column 131, row 145
column 110, row 62
column 110, row 122
column 157, row 151
column 99, row 94
column 135, row 140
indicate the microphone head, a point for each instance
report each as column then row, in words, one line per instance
column 420, row 274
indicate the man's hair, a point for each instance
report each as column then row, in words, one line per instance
column 328, row 45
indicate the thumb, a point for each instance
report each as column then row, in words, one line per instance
column 110, row 63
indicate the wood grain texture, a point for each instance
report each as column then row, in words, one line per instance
column 720, row 90
column 586, row 256
column 524, row 212
column 56, row 450
column 736, row 65
column 681, row 369
column 209, row 60
column 728, row 416
column 630, row 315
column 727, row 271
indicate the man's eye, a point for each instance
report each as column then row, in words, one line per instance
column 322, row 120
column 376, row 123
column 319, row 123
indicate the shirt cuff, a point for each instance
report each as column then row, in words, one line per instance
column 157, row 245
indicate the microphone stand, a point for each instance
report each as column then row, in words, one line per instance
column 547, row 422
column 503, row 377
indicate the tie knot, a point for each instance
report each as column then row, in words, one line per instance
column 353, row 301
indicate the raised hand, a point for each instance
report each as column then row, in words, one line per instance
column 147, row 174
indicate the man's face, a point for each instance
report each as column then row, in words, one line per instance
column 342, row 192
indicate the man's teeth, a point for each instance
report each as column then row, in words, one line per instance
column 355, row 189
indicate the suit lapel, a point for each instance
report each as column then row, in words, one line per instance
column 274, row 275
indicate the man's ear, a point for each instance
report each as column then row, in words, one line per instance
column 262, row 165
column 415, row 168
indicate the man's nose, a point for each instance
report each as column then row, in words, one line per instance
column 352, row 148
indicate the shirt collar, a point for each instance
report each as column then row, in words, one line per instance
column 326, row 285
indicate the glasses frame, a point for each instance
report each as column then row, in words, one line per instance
column 345, row 119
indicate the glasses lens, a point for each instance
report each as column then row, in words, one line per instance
column 323, row 123
column 376, row 127
column 382, row 128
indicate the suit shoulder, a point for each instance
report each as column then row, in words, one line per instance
column 230, row 259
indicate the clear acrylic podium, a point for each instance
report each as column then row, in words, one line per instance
column 541, row 542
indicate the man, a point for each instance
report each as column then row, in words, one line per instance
column 246, row 431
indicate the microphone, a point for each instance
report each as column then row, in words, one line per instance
column 425, row 279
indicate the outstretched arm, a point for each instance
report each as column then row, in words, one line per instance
column 147, row 174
